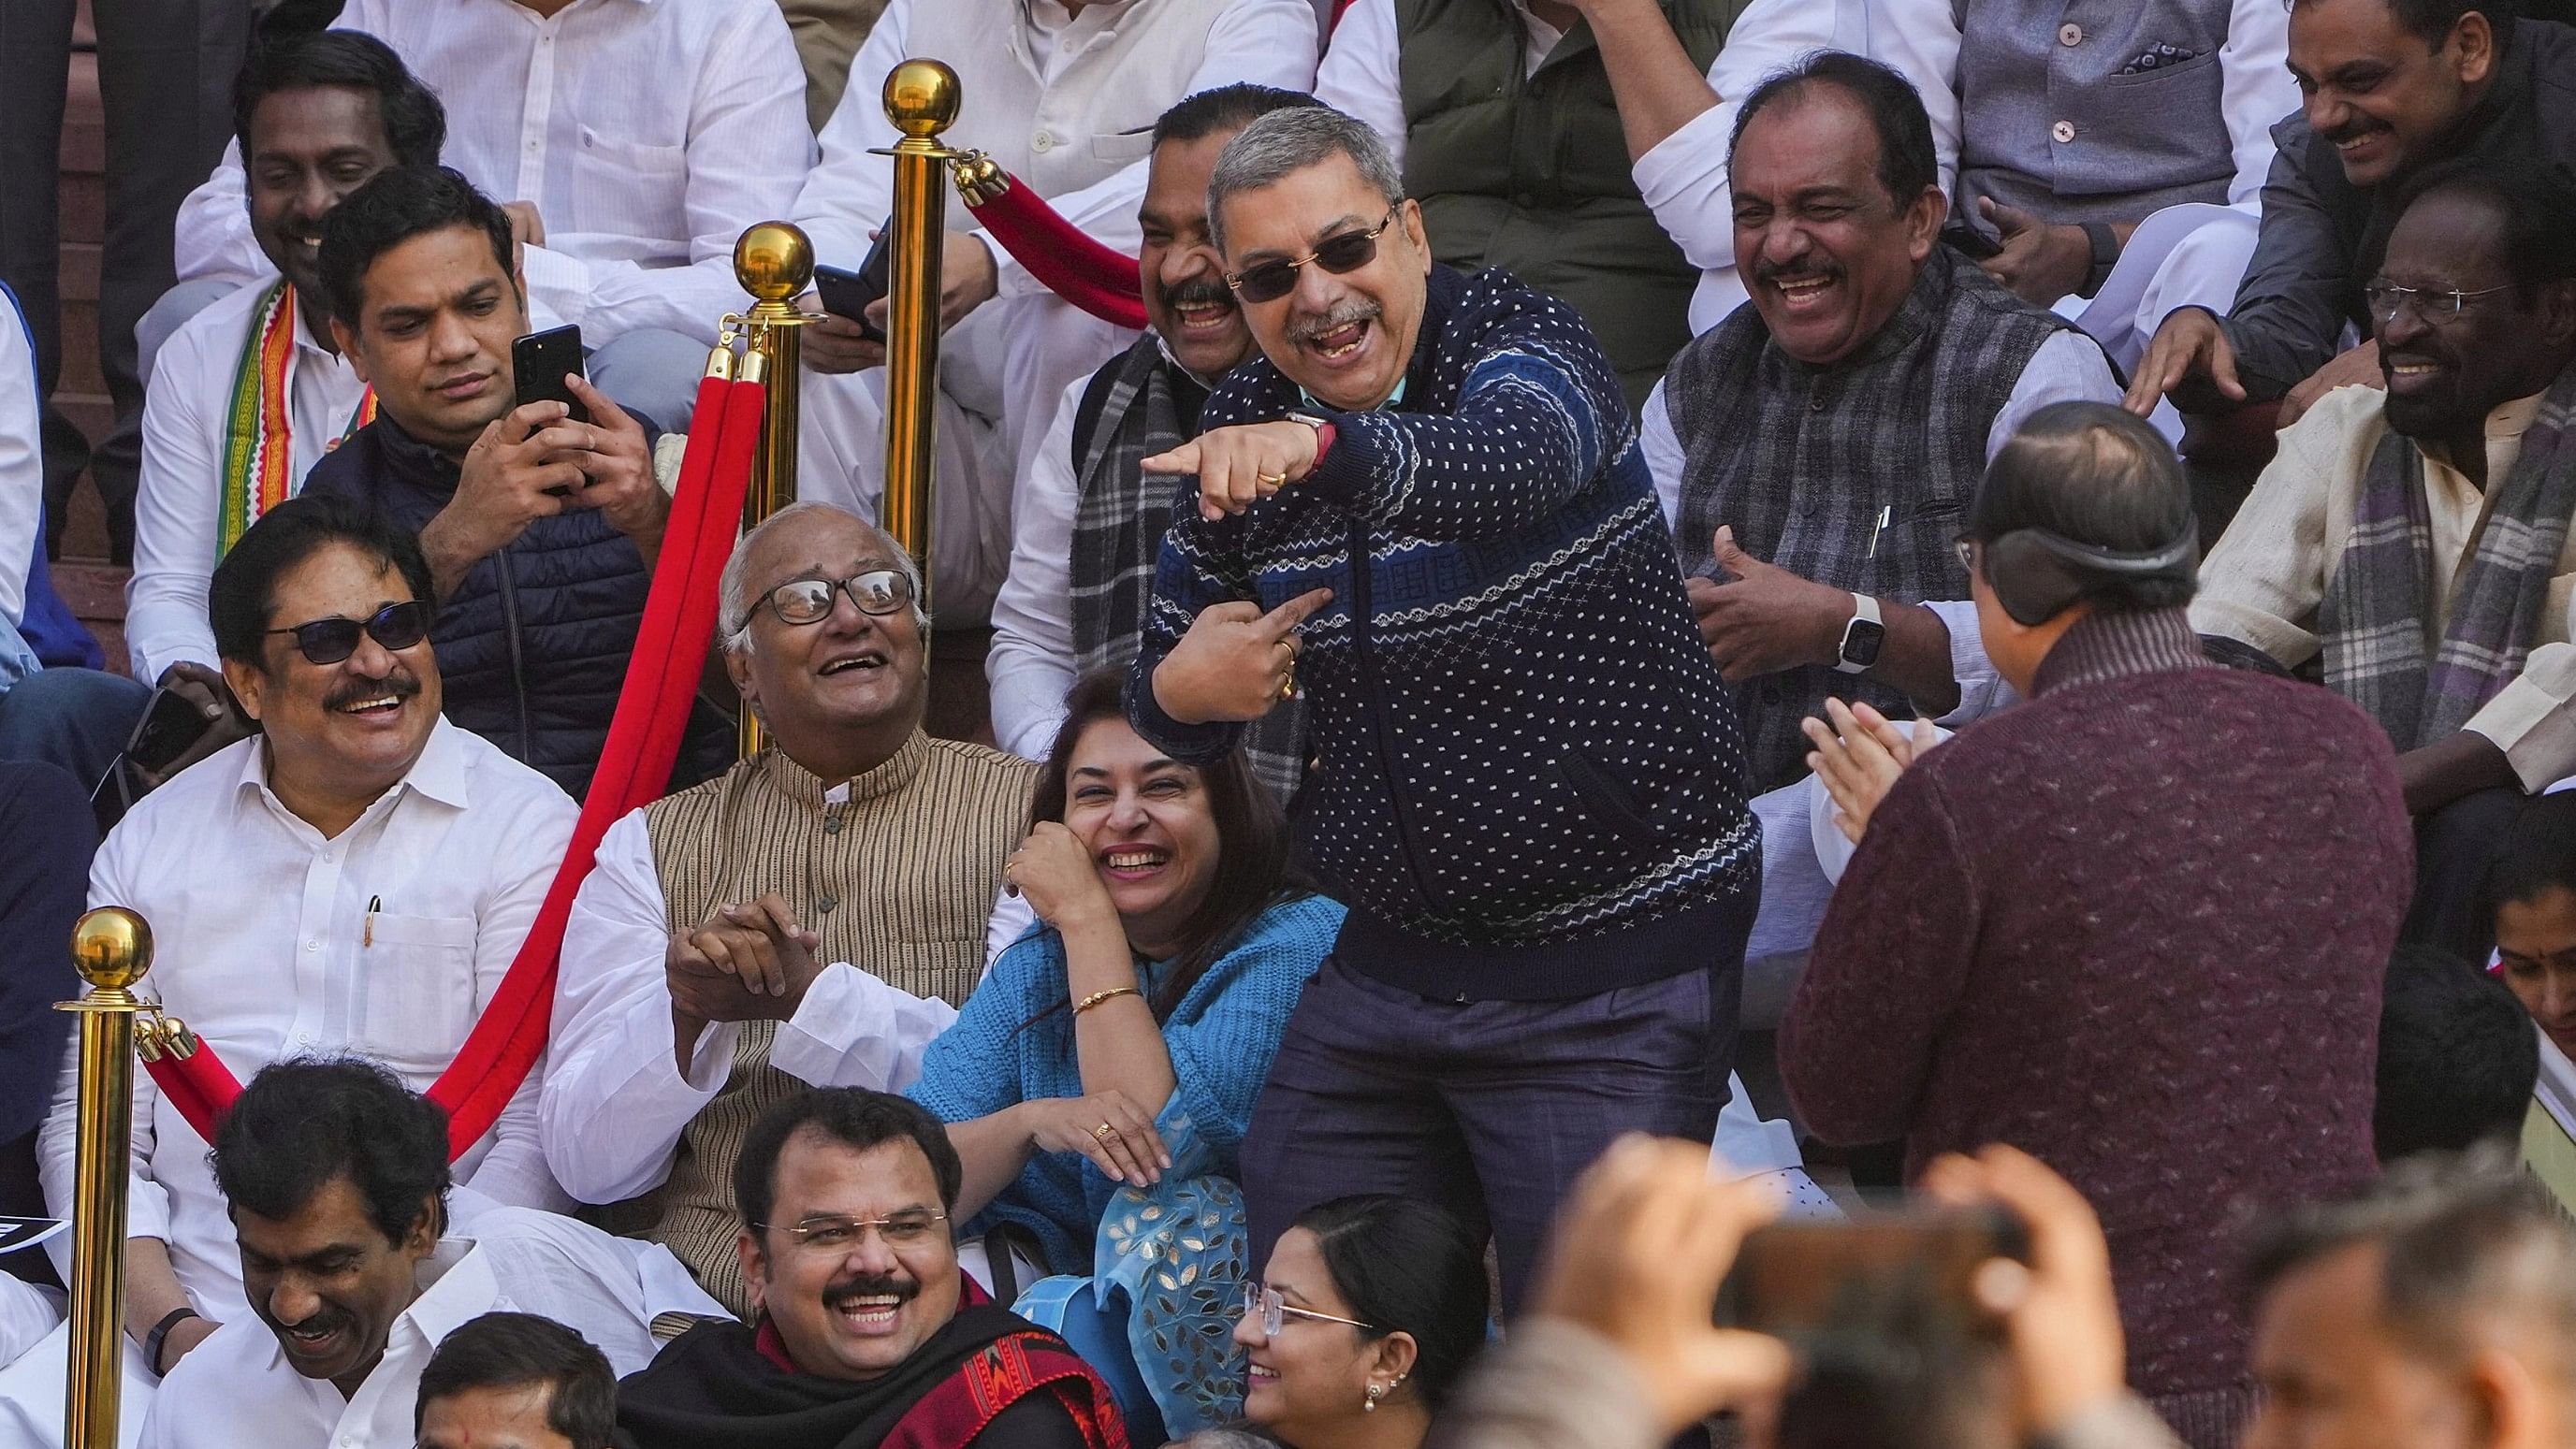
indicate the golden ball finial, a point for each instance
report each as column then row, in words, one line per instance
column 774, row 261
column 111, row 948
column 921, row 98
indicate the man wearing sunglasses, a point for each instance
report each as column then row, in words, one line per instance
column 2411, row 540
column 540, row 528
column 357, row 876
column 864, row 1331
column 814, row 915
column 1528, row 781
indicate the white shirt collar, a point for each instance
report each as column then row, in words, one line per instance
column 439, row 773
column 456, row 1286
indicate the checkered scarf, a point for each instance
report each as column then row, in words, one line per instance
column 2374, row 613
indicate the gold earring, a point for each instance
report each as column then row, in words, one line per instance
column 1369, row 1404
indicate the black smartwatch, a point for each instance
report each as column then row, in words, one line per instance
column 1863, row 637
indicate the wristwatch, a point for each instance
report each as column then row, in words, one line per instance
column 2104, row 244
column 1323, row 427
column 160, row 1334
column 1862, row 637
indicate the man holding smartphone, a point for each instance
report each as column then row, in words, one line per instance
column 540, row 530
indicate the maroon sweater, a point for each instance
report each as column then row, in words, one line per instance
column 2137, row 928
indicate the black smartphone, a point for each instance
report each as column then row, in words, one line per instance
column 1791, row 1277
column 171, row 723
column 850, row 294
column 1978, row 246
column 539, row 361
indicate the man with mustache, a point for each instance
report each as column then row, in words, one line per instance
column 253, row 391
column 336, row 1177
column 540, row 528
column 1422, row 507
column 2410, row 540
column 357, row 876
column 864, row 1331
column 1087, row 523
column 2389, row 87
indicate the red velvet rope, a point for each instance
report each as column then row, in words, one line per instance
column 635, row 765
column 1057, row 253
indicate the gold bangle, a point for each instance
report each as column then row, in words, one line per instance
column 1097, row 997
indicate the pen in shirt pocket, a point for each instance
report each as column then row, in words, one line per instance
column 1886, row 516
column 367, row 938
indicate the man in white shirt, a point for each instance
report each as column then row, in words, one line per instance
column 815, row 915
column 634, row 141
column 1579, row 143
column 1087, row 524
column 1063, row 96
column 2414, row 539
column 358, row 876
column 2116, row 157
column 337, row 1180
column 250, row 394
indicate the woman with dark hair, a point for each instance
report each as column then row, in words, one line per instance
column 1099, row 1081
column 1369, row 1310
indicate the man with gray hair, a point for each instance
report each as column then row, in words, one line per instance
column 2436, row 1310
column 1527, row 781
column 814, row 915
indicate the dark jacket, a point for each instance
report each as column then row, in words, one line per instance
column 2137, row 928
column 2323, row 236
column 1526, row 778
column 533, row 645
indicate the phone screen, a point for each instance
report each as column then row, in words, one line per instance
column 170, row 725
column 1791, row 1276
column 539, row 361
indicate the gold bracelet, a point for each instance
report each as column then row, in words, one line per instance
column 1097, row 997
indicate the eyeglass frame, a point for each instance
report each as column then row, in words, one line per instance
column 836, row 587
column 366, row 628
column 1276, row 1311
column 2420, row 299
column 1234, row 280
column 803, row 1232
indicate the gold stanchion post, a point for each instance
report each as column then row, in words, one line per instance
column 112, row 948
column 773, row 261
column 921, row 99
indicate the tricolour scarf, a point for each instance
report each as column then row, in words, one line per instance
column 2373, row 618
column 259, row 451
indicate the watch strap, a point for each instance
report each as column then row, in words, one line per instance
column 160, row 1333
column 1864, row 610
column 2106, row 255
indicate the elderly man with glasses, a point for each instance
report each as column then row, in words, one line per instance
column 814, row 915
column 2410, row 542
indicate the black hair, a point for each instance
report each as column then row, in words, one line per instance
column 2537, row 856
column 1907, row 164
column 2539, row 246
column 2097, row 475
column 244, row 588
column 517, row 1350
column 1406, row 1266
column 415, row 124
column 2457, row 1056
column 852, row 1116
column 305, row 1123
column 397, row 204
column 1251, row 833
column 1202, row 114
column 2432, row 21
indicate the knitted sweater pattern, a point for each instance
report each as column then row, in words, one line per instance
column 1517, row 736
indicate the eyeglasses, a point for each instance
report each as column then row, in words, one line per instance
column 1274, row 1313
column 839, row 1235
column 1348, row 252
column 328, row 641
column 2384, row 298
column 809, row 601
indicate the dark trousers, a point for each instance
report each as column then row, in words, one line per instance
column 45, row 845
column 1488, row 1108
column 165, row 72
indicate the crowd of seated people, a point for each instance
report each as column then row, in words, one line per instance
column 1960, row 607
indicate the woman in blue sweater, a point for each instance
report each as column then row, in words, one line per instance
column 1098, row 1082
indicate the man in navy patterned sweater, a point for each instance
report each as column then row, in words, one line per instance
column 1526, row 778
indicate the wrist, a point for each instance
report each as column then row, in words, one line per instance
column 1163, row 697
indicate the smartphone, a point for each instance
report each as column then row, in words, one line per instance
column 1978, row 246
column 1791, row 1277
column 850, row 294
column 171, row 723
column 539, row 362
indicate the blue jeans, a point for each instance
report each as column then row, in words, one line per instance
column 76, row 720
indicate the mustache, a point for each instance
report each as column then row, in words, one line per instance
column 1200, row 291
column 322, row 1321
column 1343, row 314
column 1798, row 266
column 2354, row 130
column 400, row 683
column 872, row 1284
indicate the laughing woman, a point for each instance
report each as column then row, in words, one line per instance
column 1098, row 1083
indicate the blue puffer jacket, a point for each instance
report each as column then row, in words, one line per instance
column 533, row 645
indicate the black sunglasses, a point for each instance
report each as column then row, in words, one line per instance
column 1348, row 252
column 328, row 641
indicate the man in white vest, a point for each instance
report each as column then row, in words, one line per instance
column 1063, row 94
